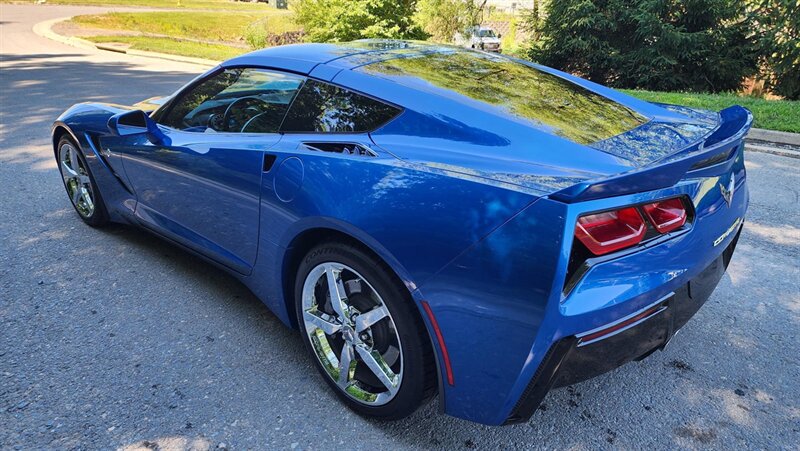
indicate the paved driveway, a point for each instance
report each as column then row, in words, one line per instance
column 113, row 338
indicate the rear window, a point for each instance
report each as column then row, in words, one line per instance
column 321, row 107
column 546, row 101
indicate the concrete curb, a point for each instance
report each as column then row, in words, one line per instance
column 178, row 58
column 791, row 139
column 773, row 150
column 45, row 29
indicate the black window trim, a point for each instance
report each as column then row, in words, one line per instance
column 167, row 107
column 400, row 110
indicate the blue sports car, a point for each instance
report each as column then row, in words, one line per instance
column 435, row 221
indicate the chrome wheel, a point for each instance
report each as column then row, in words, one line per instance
column 352, row 333
column 76, row 179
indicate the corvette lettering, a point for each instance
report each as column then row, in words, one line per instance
column 730, row 230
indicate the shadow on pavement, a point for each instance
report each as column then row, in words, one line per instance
column 35, row 89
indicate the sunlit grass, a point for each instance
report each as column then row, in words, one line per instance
column 206, row 26
column 216, row 52
column 782, row 115
column 188, row 4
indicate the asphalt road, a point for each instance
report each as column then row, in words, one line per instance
column 112, row 338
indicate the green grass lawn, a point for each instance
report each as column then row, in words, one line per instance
column 216, row 52
column 782, row 115
column 187, row 4
column 208, row 26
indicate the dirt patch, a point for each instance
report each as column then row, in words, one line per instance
column 704, row 436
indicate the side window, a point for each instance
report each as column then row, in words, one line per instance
column 320, row 107
column 235, row 100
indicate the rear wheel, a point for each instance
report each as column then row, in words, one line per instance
column 363, row 332
column 79, row 183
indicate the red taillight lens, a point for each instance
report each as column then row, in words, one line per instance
column 610, row 231
column 666, row 215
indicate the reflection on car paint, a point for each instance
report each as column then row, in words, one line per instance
column 557, row 106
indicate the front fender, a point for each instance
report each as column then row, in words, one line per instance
column 86, row 124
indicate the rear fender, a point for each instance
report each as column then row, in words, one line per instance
column 490, row 303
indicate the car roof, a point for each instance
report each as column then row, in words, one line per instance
column 303, row 58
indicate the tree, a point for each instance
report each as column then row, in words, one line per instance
column 346, row 20
column 777, row 23
column 532, row 18
column 442, row 19
column 666, row 45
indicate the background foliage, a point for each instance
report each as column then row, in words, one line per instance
column 661, row 45
column 664, row 45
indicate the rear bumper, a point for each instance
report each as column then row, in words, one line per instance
column 580, row 357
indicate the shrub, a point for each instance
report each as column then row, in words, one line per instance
column 662, row 45
column 346, row 20
column 268, row 32
column 777, row 23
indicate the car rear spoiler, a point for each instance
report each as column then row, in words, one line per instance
column 718, row 147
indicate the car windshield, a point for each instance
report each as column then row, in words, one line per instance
column 546, row 101
column 486, row 34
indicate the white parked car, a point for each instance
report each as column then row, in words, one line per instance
column 481, row 38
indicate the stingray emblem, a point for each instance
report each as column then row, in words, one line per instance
column 727, row 192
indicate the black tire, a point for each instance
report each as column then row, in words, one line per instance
column 99, row 215
column 418, row 384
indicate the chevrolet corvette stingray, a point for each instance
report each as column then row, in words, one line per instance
column 435, row 221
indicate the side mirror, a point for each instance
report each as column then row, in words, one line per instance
column 135, row 122
column 499, row 35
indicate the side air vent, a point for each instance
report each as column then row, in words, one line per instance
column 269, row 160
column 340, row 147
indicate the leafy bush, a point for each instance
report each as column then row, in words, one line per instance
column 662, row 45
column 346, row 20
column 267, row 33
column 442, row 19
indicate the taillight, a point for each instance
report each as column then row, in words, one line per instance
column 666, row 215
column 609, row 231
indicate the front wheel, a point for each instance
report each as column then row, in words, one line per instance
column 363, row 332
column 79, row 183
